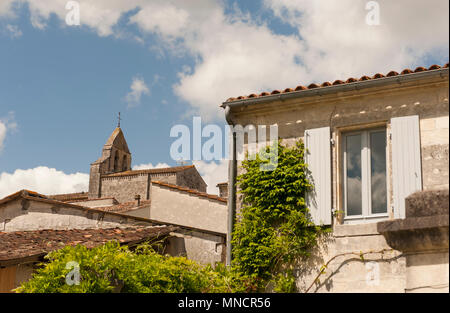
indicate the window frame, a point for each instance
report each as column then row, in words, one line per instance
column 366, row 177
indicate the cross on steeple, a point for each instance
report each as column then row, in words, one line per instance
column 119, row 119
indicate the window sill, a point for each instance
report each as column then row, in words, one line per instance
column 361, row 229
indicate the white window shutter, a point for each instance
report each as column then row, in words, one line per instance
column 318, row 158
column 406, row 160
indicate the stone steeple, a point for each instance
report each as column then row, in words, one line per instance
column 116, row 157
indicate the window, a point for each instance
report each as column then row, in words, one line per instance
column 364, row 174
column 124, row 164
column 116, row 162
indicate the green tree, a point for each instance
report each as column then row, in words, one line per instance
column 274, row 229
column 112, row 268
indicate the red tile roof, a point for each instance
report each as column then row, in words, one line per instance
column 168, row 170
column 16, row 246
column 190, row 191
column 340, row 82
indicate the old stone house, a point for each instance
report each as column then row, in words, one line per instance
column 378, row 156
column 31, row 225
column 122, row 204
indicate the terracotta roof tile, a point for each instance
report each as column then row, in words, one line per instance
column 18, row 245
column 191, row 191
column 339, row 82
column 392, row 73
column 298, row 88
column 420, row 69
column 377, row 75
column 406, row 71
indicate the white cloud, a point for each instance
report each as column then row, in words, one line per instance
column 6, row 8
column 7, row 125
column 339, row 44
column 213, row 173
column 2, row 134
column 43, row 180
column 138, row 88
column 13, row 31
column 236, row 54
column 150, row 166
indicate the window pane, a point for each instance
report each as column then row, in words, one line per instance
column 354, row 202
column 378, row 171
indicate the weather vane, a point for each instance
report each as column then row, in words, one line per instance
column 118, row 124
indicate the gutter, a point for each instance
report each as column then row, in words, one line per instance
column 346, row 87
column 232, row 173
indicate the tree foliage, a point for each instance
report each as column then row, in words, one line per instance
column 112, row 268
column 274, row 228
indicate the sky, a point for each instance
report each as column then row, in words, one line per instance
column 161, row 62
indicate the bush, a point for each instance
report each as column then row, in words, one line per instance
column 112, row 268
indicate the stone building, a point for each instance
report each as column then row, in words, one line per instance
column 122, row 204
column 111, row 175
column 372, row 142
column 31, row 225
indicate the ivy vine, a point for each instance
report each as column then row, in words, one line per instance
column 274, row 229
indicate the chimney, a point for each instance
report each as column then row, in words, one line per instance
column 138, row 199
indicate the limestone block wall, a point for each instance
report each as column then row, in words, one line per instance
column 170, row 178
column 435, row 142
column 38, row 215
column 171, row 206
column 191, row 178
column 124, row 188
column 198, row 246
column 378, row 272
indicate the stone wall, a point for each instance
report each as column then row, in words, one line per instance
column 178, row 207
column 435, row 141
column 377, row 272
column 33, row 215
column 190, row 178
column 423, row 238
column 124, row 188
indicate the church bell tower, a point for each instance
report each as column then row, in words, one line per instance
column 116, row 157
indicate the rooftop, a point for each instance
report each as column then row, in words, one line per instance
column 17, row 246
column 190, row 191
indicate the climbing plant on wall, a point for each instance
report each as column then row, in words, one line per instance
column 274, row 229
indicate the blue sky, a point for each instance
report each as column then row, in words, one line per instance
column 62, row 86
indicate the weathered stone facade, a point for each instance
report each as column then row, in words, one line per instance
column 358, row 106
